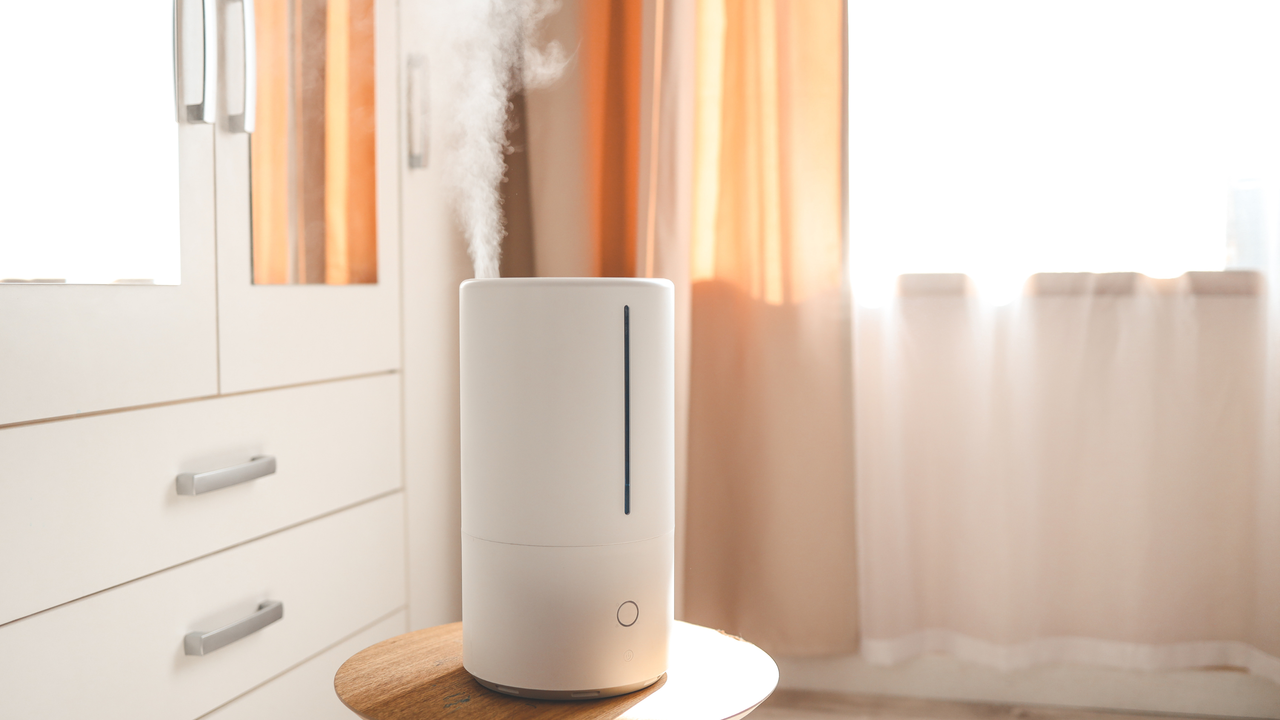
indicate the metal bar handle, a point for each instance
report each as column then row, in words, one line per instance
column 417, row 101
column 198, row 643
column 199, row 87
column 197, row 483
column 244, row 122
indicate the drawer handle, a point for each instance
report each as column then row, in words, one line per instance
column 198, row 643
column 244, row 120
column 205, row 109
column 197, row 483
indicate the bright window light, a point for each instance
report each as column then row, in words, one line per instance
column 89, row 144
column 1002, row 139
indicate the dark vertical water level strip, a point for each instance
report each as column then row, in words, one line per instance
column 626, row 395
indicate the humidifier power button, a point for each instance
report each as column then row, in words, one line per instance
column 628, row 612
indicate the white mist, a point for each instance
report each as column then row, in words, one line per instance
column 489, row 53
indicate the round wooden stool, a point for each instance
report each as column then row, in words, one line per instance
column 419, row 675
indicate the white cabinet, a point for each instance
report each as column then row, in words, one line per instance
column 109, row 391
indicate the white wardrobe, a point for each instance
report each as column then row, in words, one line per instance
column 110, row 394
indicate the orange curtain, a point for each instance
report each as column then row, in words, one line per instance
column 721, row 119
column 612, row 31
column 769, row 540
column 768, row 147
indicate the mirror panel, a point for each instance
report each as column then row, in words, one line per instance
column 313, row 187
column 89, row 144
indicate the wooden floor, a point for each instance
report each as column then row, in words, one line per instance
column 809, row 705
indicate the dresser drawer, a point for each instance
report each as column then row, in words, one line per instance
column 121, row 653
column 89, row 503
column 307, row 690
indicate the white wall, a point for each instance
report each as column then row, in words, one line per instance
column 434, row 263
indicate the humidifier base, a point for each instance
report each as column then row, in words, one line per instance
column 568, row 694
column 567, row 619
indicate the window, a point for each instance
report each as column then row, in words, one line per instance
column 1001, row 139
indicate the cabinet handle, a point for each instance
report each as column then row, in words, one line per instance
column 418, row 102
column 198, row 643
column 244, row 122
column 205, row 109
column 197, row 483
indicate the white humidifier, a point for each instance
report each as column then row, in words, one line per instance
column 568, row 462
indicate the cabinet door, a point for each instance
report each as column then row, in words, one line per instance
column 297, row 301
column 97, row 169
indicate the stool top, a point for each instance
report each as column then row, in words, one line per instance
column 419, row 675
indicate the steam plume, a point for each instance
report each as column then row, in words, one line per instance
column 492, row 55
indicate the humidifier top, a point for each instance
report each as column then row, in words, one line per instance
column 568, row 408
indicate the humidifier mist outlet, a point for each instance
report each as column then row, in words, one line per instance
column 568, row 463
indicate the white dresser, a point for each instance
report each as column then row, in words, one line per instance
column 108, row 394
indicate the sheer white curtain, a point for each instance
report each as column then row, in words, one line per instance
column 1078, row 477
column 1074, row 467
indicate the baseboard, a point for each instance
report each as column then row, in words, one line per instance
column 1224, row 693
